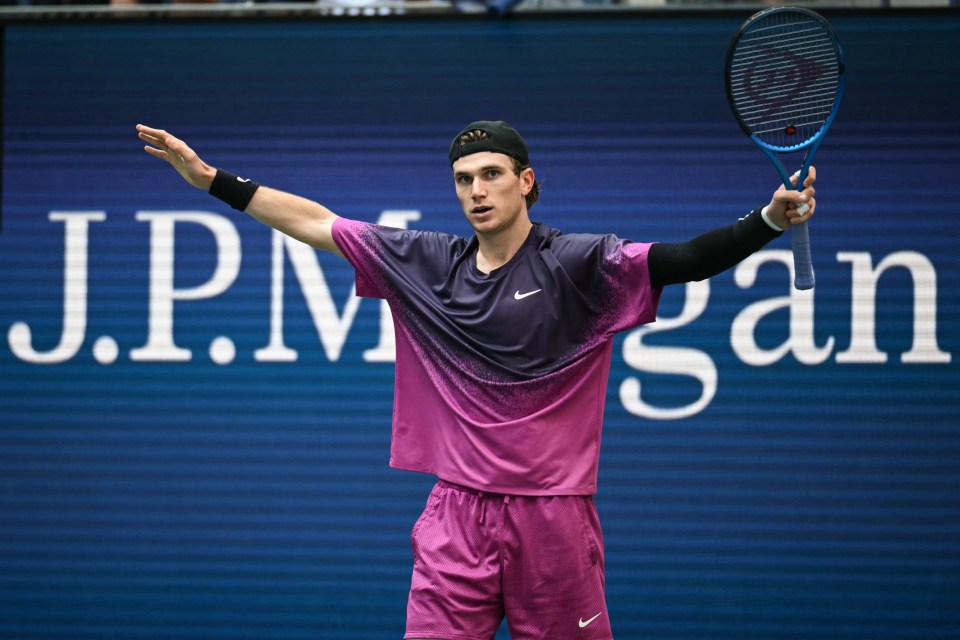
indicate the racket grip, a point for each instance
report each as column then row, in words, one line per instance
column 802, row 264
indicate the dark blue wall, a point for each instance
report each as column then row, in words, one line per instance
column 795, row 475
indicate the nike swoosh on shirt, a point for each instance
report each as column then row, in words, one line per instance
column 521, row 296
column 584, row 623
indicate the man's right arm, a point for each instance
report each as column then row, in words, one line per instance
column 299, row 218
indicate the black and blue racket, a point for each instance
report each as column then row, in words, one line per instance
column 784, row 77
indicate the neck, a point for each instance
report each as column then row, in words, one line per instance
column 496, row 250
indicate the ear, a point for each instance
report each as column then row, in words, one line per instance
column 527, row 180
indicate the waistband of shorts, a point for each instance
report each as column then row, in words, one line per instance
column 444, row 484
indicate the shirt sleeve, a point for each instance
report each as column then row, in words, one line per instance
column 359, row 244
column 632, row 299
column 613, row 277
column 388, row 259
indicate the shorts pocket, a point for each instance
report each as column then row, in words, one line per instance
column 433, row 503
column 590, row 530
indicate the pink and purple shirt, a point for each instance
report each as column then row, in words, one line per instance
column 501, row 378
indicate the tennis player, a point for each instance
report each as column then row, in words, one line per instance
column 504, row 341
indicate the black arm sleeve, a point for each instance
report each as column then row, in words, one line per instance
column 710, row 253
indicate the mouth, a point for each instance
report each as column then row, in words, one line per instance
column 479, row 211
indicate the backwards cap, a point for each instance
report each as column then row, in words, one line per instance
column 503, row 139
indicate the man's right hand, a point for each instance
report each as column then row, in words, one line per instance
column 188, row 164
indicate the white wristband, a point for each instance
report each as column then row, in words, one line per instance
column 766, row 218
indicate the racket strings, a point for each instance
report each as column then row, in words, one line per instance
column 784, row 79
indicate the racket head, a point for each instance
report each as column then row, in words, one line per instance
column 784, row 77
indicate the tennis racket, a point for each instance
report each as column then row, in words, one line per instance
column 784, row 77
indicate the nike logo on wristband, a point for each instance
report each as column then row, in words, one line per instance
column 239, row 179
column 521, row 296
column 584, row 623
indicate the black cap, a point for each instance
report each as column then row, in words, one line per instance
column 503, row 139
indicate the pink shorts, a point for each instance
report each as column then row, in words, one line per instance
column 479, row 557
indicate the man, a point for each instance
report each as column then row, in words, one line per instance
column 504, row 343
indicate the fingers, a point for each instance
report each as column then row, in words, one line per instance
column 808, row 181
column 156, row 137
column 800, row 212
column 805, row 212
column 159, row 138
column 156, row 153
column 163, row 145
column 808, row 190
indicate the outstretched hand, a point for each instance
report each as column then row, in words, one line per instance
column 785, row 207
column 188, row 164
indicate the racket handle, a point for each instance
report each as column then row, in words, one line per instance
column 802, row 263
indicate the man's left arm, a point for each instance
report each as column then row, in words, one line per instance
column 716, row 251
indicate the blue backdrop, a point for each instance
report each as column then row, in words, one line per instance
column 194, row 414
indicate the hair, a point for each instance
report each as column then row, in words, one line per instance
column 477, row 135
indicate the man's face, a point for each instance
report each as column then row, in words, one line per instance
column 491, row 194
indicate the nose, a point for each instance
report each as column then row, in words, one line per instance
column 477, row 189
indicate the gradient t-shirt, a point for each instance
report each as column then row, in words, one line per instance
column 501, row 378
